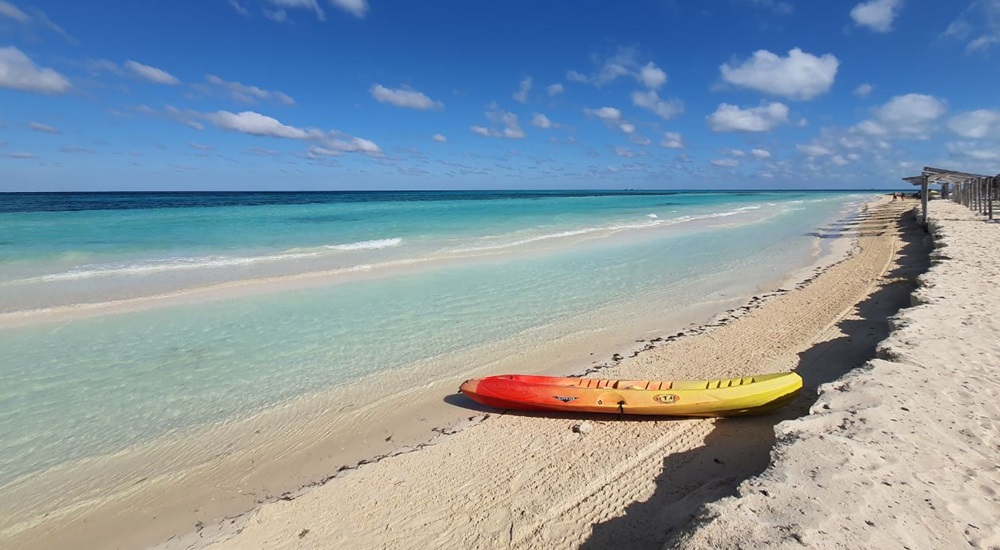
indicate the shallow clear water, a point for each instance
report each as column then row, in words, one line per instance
column 411, row 276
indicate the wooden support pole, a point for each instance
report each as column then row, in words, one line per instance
column 923, row 198
column 990, row 188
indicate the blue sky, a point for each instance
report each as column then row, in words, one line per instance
column 378, row 94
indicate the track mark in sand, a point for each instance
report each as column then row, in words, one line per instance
column 626, row 481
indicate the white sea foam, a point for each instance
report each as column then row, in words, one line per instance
column 149, row 267
column 653, row 222
column 367, row 245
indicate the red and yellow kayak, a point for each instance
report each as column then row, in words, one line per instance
column 728, row 397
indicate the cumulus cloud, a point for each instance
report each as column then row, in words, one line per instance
column 439, row 138
column 152, row 74
column 541, row 121
column 248, row 94
column 975, row 124
column 672, row 140
column 907, row 115
column 19, row 72
column 555, row 89
column 864, row 90
column 761, row 154
column 405, row 97
column 609, row 115
column 799, row 76
column 731, row 118
column 510, row 128
column 521, row 95
column 250, row 122
column 43, row 128
column 652, row 76
column 877, row 15
column 325, row 143
column 651, row 101
column 974, row 151
column 625, row 62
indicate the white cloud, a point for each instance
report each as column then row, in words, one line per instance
column 672, row 140
column 44, row 128
column 978, row 25
column 541, row 121
column 651, row 101
column 609, row 115
column 799, row 76
column 725, row 163
column 239, row 8
column 839, row 160
column 250, row 122
column 19, row 155
column 652, row 76
column 975, row 124
column 555, row 89
column 974, row 150
column 737, row 153
column 357, row 8
column 625, row 62
column 731, row 118
column 627, row 127
column 521, row 95
column 248, row 94
column 13, row 12
column 200, row 146
column 33, row 20
column 404, row 97
column 280, row 15
column 623, row 152
column 18, row 72
column 864, row 90
column 907, row 115
column 877, row 15
column 439, row 138
column 814, row 150
column 511, row 127
column 760, row 153
column 151, row 74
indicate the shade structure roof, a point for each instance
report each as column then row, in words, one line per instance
column 940, row 175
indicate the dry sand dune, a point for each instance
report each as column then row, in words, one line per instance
column 531, row 481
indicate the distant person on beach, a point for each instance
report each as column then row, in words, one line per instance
column 893, row 197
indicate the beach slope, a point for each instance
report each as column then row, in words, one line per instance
column 532, row 481
column 904, row 453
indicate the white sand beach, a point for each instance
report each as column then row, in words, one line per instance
column 530, row 481
column 904, row 452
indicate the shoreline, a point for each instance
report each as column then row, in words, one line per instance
column 450, row 418
column 858, row 469
column 209, row 535
column 364, row 518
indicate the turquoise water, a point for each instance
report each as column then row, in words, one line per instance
column 406, row 277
